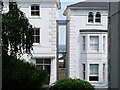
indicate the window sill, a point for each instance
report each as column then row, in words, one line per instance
column 36, row 44
column 34, row 17
column 94, row 24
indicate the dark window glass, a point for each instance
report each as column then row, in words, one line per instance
column 98, row 17
column 36, row 35
column 90, row 17
column 93, row 78
column 39, row 61
column 35, row 10
column 47, row 61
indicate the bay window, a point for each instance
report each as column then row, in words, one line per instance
column 94, row 43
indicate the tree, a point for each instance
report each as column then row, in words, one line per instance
column 17, row 33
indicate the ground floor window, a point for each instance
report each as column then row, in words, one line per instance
column 94, row 72
column 44, row 64
column 83, row 71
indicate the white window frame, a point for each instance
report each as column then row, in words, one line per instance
column 94, row 74
column 94, row 17
column 30, row 16
column 35, row 43
column 90, row 43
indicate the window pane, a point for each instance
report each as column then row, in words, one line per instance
column 39, row 61
column 93, row 69
column 35, row 10
column 32, row 8
column 84, row 71
column 93, row 78
column 104, row 43
column 39, row 67
column 47, row 61
column 98, row 17
column 94, row 43
column 83, row 42
column 90, row 17
column 36, row 35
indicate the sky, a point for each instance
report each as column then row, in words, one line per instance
column 62, row 29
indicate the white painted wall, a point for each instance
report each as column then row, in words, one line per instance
column 75, row 55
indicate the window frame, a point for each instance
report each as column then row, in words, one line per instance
column 104, row 43
column 97, row 18
column 90, row 17
column 84, row 43
column 30, row 16
column 84, row 71
column 91, row 43
column 90, row 75
column 36, row 35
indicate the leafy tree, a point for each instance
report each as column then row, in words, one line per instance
column 17, row 33
column 21, row 75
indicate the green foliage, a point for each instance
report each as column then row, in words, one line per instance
column 17, row 33
column 71, row 84
column 20, row 75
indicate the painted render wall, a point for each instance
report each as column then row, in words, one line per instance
column 47, row 24
column 75, row 56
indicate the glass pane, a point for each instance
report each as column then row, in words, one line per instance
column 37, row 7
column 32, row 13
column 39, row 61
column 39, row 67
column 47, row 68
column 93, row 78
column 47, row 61
column 37, row 39
column 93, row 69
column 37, row 13
column 32, row 8
column 37, row 31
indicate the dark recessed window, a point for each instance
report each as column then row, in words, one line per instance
column 90, row 17
column 35, row 10
column 44, row 64
column 98, row 17
column 84, row 71
column 36, row 35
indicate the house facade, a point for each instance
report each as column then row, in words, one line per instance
column 87, row 35
column 42, row 15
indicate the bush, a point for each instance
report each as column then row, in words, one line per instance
column 71, row 84
column 21, row 75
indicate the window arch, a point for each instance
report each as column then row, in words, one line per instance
column 98, row 17
column 90, row 17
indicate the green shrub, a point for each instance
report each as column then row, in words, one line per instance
column 21, row 75
column 71, row 84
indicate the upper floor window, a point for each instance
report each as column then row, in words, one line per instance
column 98, row 17
column 90, row 17
column 36, row 35
column 94, row 72
column 94, row 43
column 35, row 10
column 83, row 42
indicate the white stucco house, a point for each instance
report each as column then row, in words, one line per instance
column 87, row 32
column 42, row 15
